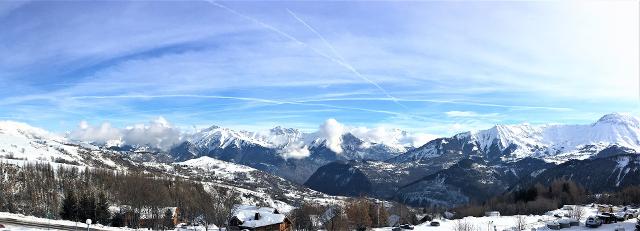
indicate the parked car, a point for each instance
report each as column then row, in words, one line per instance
column 593, row 222
column 564, row 223
column 553, row 225
column 608, row 218
column 574, row 222
column 406, row 226
column 621, row 216
column 434, row 223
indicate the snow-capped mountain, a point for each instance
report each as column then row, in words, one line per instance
column 498, row 158
column 258, row 184
column 356, row 145
column 478, row 164
column 22, row 144
column 602, row 150
column 287, row 152
column 554, row 143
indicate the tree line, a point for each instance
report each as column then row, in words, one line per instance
column 536, row 199
column 141, row 199
column 354, row 214
column 539, row 198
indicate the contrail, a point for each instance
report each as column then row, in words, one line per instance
column 294, row 39
column 249, row 99
column 325, row 41
column 341, row 60
column 441, row 101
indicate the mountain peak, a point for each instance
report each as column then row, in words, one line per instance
column 279, row 130
column 14, row 127
column 620, row 119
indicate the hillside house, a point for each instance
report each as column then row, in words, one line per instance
column 251, row 217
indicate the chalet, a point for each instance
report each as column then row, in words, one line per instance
column 492, row 214
column 149, row 216
column 145, row 217
column 248, row 217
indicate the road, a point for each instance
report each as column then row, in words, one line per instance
column 45, row 226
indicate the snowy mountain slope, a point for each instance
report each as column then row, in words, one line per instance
column 554, row 143
column 21, row 144
column 272, row 151
column 470, row 179
column 356, row 144
column 374, row 178
column 19, row 141
column 510, row 154
column 605, row 174
column 248, row 179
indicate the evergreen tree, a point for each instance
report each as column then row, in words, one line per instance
column 69, row 207
column 102, row 209
column 87, row 207
column 117, row 220
column 168, row 219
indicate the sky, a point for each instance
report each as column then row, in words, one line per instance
column 429, row 67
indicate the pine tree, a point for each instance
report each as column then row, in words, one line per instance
column 168, row 219
column 102, row 209
column 87, row 207
column 69, row 206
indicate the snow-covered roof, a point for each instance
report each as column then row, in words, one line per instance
column 247, row 214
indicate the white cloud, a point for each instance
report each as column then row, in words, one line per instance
column 99, row 134
column 391, row 136
column 332, row 131
column 470, row 114
column 296, row 152
column 419, row 139
column 158, row 133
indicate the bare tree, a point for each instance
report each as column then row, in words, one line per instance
column 521, row 223
column 464, row 225
column 577, row 212
column 220, row 209
column 338, row 221
column 358, row 213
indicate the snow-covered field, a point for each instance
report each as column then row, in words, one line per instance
column 13, row 221
column 533, row 222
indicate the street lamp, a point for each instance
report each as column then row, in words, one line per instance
column 88, row 224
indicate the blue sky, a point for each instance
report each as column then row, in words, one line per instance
column 431, row 67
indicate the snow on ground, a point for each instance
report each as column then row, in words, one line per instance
column 266, row 198
column 227, row 169
column 533, row 222
column 15, row 228
column 43, row 221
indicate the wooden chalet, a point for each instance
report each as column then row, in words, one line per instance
column 248, row 217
